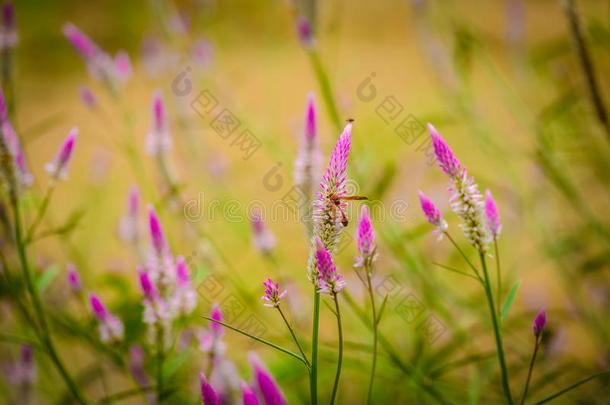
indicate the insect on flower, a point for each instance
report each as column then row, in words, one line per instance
column 336, row 200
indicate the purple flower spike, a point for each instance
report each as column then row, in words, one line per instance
column 87, row 97
column 158, row 140
column 446, row 158
column 81, row 42
column 216, row 315
column 182, row 272
column 273, row 295
column 58, row 168
column 433, row 214
column 247, row 394
column 122, row 66
column 491, row 214
column 157, row 237
column 98, row 308
column 265, row 382
column 147, row 286
column 304, row 32
column 336, row 171
column 74, row 278
column 263, row 239
column 365, row 236
column 208, row 395
column 329, row 281
column 311, row 124
column 539, row 323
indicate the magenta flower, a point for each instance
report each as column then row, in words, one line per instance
column 365, row 239
column 265, row 382
column 157, row 236
column 247, row 394
column 329, row 281
column 122, row 66
column 23, row 371
column 87, row 97
column 110, row 327
column 202, row 52
column 11, row 140
column 100, row 64
column 305, row 33
column 307, row 165
column 158, row 140
column 273, row 294
column 216, row 315
column 184, row 299
column 433, row 214
column 208, row 395
column 148, row 288
column 128, row 226
column 58, row 168
column 492, row 216
column 539, row 323
column 8, row 30
column 136, row 365
column 444, row 155
column 74, row 279
column 263, row 239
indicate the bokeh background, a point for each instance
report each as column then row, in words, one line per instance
column 501, row 80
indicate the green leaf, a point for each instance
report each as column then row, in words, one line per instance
column 385, row 300
column 171, row 366
column 45, row 278
column 509, row 300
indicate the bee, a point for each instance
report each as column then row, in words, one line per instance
column 350, row 120
column 336, row 200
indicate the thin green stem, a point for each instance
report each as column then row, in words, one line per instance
column 497, row 333
column 375, row 326
column 451, row 269
column 457, row 247
column 160, row 358
column 313, row 378
column 325, row 88
column 498, row 277
column 294, row 336
column 333, row 396
column 531, row 368
column 41, row 212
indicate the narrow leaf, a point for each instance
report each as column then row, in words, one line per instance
column 571, row 387
column 509, row 300
column 45, row 278
column 382, row 308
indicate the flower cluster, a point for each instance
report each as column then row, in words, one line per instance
column 58, row 167
column 329, row 281
column 110, row 327
column 365, row 239
column 273, row 294
column 11, row 140
column 433, row 214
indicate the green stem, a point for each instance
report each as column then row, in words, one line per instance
column 529, row 372
column 375, row 325
column 313, row 378
column 340, row 358
column 325, row 88
column 294, row 336
column 457, row 247
column 498, row 335
column 41, row 212
column 498, row 276
column 160, row 358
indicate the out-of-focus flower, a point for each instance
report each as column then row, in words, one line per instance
column 8, row 30
column 74, row 279
column 210, row 341
column 128, row 226
column 161, row 264
column 263, row 239
column 305, row 33
column 23, row 371
column 58, row 168
column 208, row 395
column 266, row 384
column 122, row 66
column 329, row 281
column 492, row 216
column 185, row 298
column 433, row 214
column 158, row 140
column 87, row 97
column 216, row 315
column 110, row 327
column 248, row 395
column 365, row 239
column 273, row 294
column 137, row 368
column 11, row 140
column 202, row 52
column 539, row 323
column 466, row 200
column 100, row 64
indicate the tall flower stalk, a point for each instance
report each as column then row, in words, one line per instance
column 538, row 328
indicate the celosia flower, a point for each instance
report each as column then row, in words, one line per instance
column 365, row 239
column 58, row 168
column 161, row 262
column 263, row 239
column 8, row 30
column 539, row 323
column 184, row 299
column 304, row 32
column 247, row 394
column 110, row 327
column 122, row 66
column 216, row 315
column 158, row 140
column 99, row 63
column 201, row 53
column 11, row 140
column 210, row 341
column 74, row 279
column 137, row 368
column 466, row 200
column 433, row 214
column 87, row 97
column 265, row 382
column 329, row 280
column 128, row 226
column 208, row 395
column 273, row 295
column 492, row 216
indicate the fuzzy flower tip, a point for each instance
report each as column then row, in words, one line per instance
column 433, row 214
column 58, row 168
column 444, row 155
column 158, row 140
column 248, row 395
column 539, row 323
column 268, row 387
column 8, row 31
column 263, row 239
column 185, row 298
column 216, row 315
column 305, row 32
column 492, row 216
column 157, row 236
column 365, row 238
column 87, row 97
column 73, row 278
column 208, row 395
column 122, row 65
column 273, row 294
column 128, row 226
column 329, row 281
column 311, row 127
column 148, row 288
column 110, row 327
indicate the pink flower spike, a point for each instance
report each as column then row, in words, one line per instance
column 539, row 323
column 133, row 201
column 80, row 41
column 208, row 395
column 304, row 32
column 492, row 216
column 433, row 214
column 8, row 30
column 58, row 168
column 87, row 97
column 329, row 281
column 74, row 278
column 311, row 124
column 182, row 272
column 273, row 295
column 216, row 315
column 336, row 172
column 263, row 239
column 247, row 394
column 365, row 235
column 157, row 236
column 146, row 284
column 110, row 327
column 122, row 66
column 201, row 53
column 444, row 155
column 158, row 140
column 98, row 308
column 268, row 387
